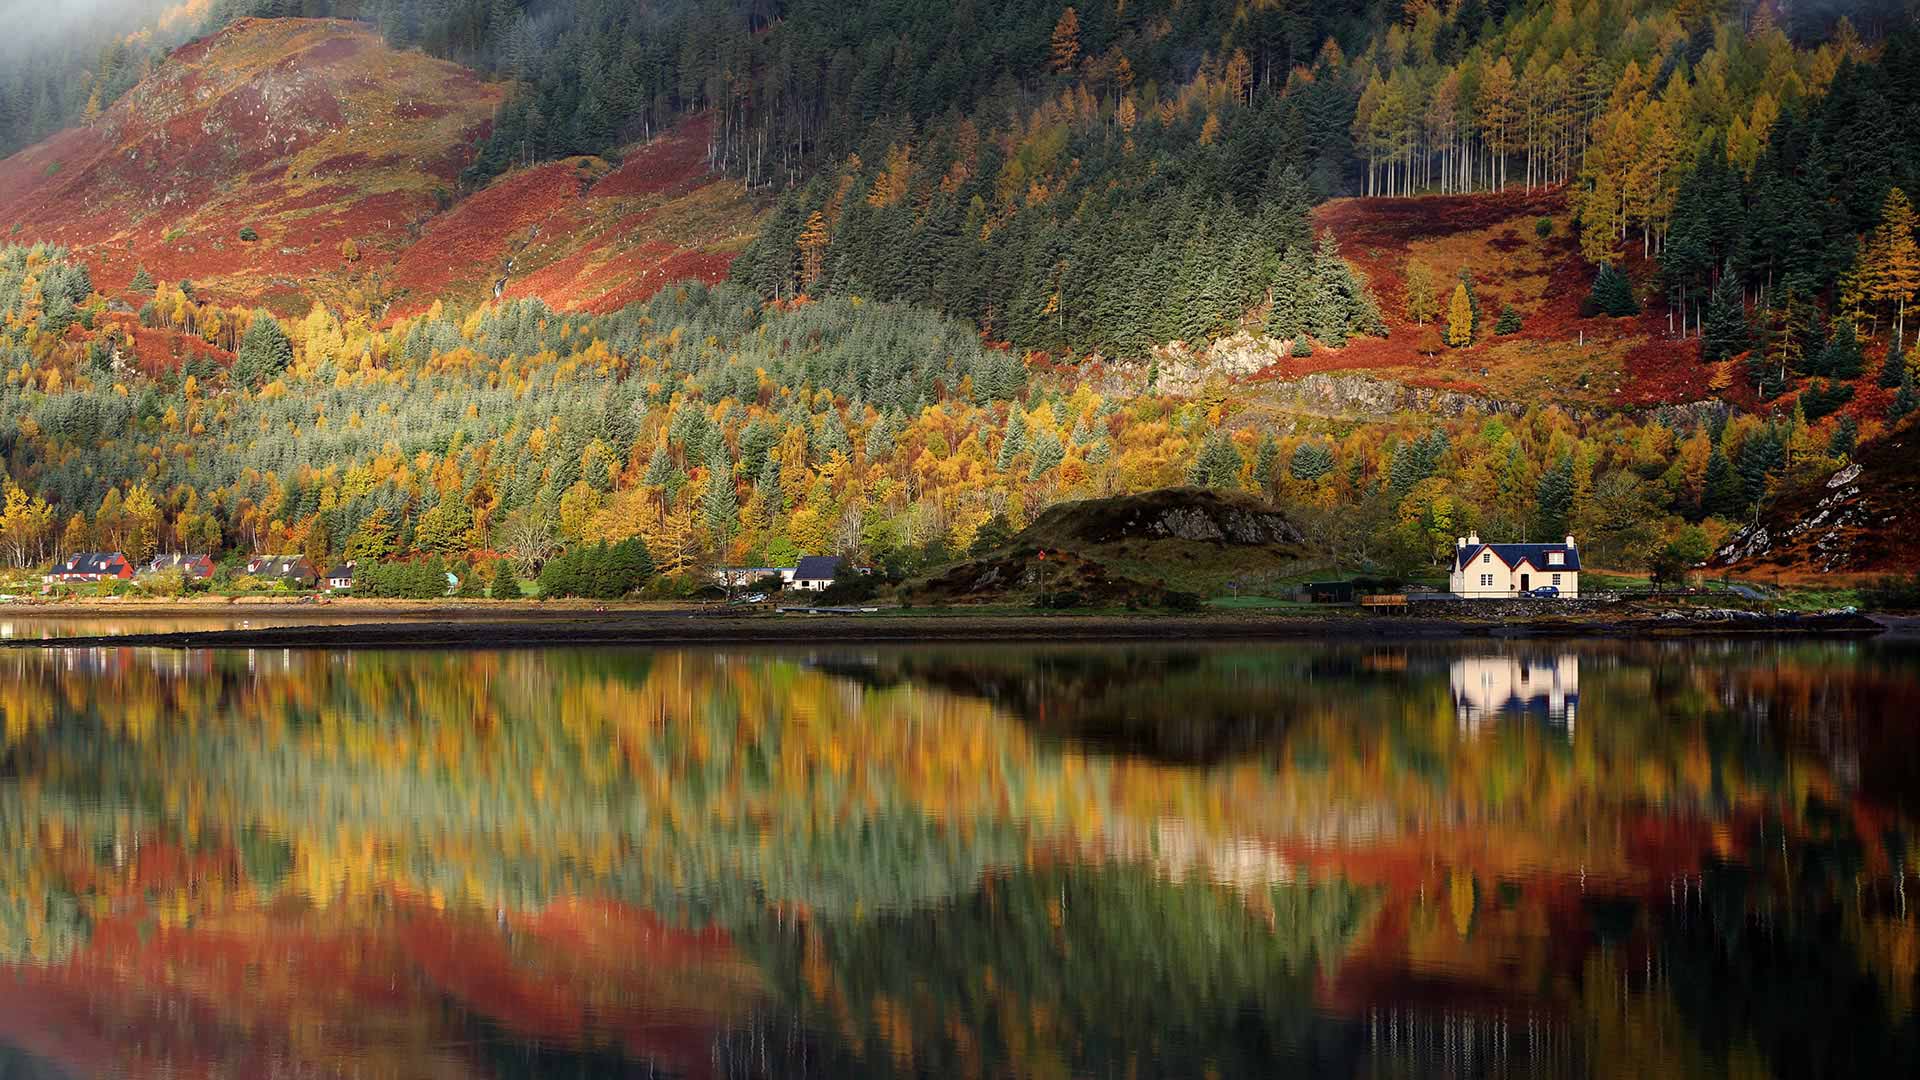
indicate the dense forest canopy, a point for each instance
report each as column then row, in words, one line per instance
column 986, row 221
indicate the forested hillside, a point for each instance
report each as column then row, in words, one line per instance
column 997, row 241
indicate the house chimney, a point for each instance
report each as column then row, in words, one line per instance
column 1473, row 538
column 1460, row 541
column 1570, row 542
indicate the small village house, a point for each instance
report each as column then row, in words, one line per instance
column 193, row 567
column 340, row 578
column 88, row 566
column 292, row 570
column 814, row 573
column 1486, row 571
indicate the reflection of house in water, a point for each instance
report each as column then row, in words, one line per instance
column 1547, row 686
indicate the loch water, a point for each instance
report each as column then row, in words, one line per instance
column 1351, row 860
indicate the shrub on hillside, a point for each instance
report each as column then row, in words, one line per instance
column 1509, row 321
column 248, row 235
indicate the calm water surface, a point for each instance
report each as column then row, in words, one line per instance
column 1468, row 860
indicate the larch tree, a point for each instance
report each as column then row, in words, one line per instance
column 813, row 249
column 1064, row 49
column 1460, row 318
column 1895, row 259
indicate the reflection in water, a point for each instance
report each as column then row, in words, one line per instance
column 1486, row 688
column 1123, row 861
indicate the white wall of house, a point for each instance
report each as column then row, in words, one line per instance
column 1488, row 576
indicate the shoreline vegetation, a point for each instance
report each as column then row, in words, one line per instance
column 386, row 624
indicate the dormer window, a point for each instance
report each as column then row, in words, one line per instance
column 1556, row 558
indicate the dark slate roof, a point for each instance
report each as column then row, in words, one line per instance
column 1512, row 554
column 198, row 564
column 281, row 567
column 817, row 568
column 343, row 572
column 92, row 562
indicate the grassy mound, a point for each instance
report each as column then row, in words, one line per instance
column 1166, row 548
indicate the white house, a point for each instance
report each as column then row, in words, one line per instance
column 1484, row 571
column 815, row 573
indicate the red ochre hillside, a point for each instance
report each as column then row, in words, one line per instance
column 583, row 234
column 308, row 134
column 1514, row 260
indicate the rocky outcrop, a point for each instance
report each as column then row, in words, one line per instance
column 1861, row 520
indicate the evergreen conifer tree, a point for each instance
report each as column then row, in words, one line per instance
column 1725, row 332
column 1553, row 502
column 264, row 352
column 1721, row 495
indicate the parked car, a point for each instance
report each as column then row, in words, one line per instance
column 1547, row 591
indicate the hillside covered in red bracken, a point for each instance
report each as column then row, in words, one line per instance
column 281, row 161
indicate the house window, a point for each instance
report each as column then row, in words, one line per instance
column 1486, row 579
column 1556, row 579
column 1556, row 558
column 1487, row 557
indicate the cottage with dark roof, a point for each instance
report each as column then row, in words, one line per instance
column 1484, row 571
column 91, row 566
column 814, row 573
column 294, row 570
column 340, row 578
column 195, row 567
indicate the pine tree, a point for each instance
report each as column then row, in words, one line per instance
column 1553, row 502
column 264, row 352
column 1460, row 318
column 1841, row 356
column 1725, row 333
column 1720, row 494
column 1266, row 463
column 1293, row 291
column 142, row 281
column 1902, row 404
column 1014, row 442
column 1893, row 372
column 1218, row 464
column 721, row 502
column 1509, row 322
column 1612, row 294
column 505, row 585
column 1310, row 462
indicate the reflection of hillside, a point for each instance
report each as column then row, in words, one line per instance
column 470, row 821
column 1192, row 706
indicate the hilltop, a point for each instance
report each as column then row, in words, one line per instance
column 284, row 160
column 1128, row 549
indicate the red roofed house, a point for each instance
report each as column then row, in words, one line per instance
column 91, row 566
